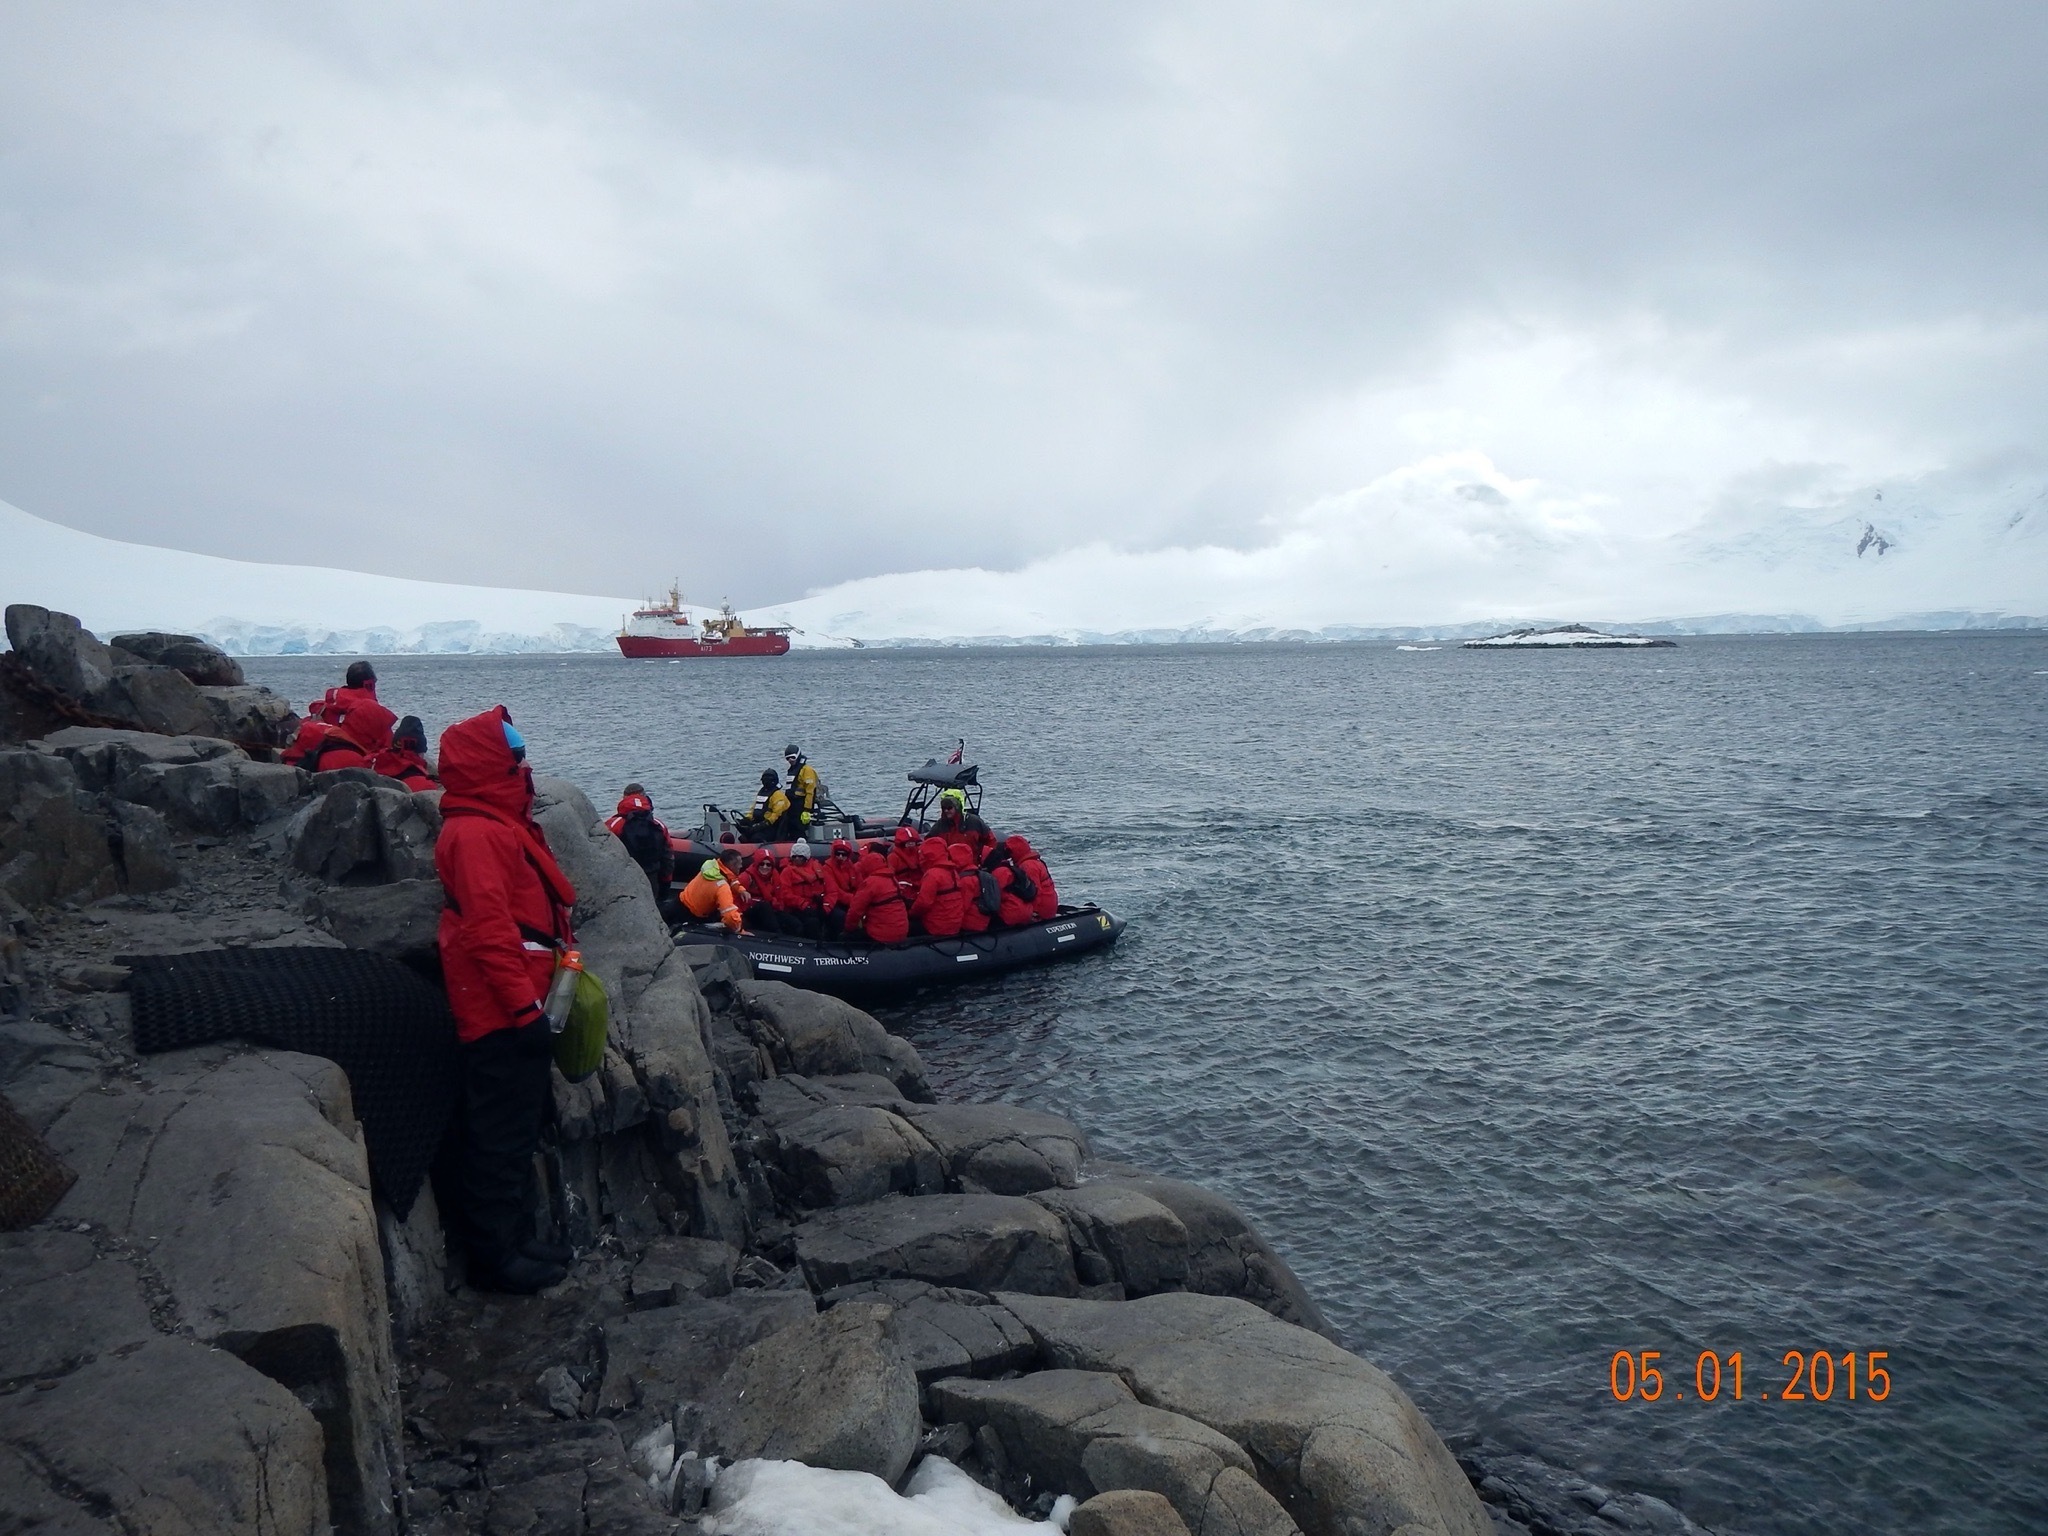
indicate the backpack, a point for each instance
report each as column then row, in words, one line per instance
column 1022, row 886
column 988, row 895
column 644, row 841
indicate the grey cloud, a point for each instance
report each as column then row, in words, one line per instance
column 781, row 295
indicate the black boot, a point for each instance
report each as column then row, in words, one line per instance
column 518, row 1275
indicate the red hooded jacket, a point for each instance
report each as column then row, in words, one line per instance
column 346, row 728
column 941, row 899
column 879, row 910
column 842, row 874
column 1028, row 860
column 800, row 887
column 509, row 904
column 406, row 766
column 972, row 918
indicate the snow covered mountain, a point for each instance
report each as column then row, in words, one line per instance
column 1448, row 548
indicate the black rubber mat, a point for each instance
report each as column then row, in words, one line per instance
column 386, row 1026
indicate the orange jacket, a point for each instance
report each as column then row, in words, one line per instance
column 703, row 897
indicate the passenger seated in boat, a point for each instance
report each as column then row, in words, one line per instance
column 941, row 900
column 842, row 874
column 975, row 916
column 878, row 910
column 1015, row 891
column 709, row 894
column 798, row 894
column 772, row 817
column 904, row 862
column 1030, row 863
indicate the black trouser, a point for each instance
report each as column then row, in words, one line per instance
column 504, row 1102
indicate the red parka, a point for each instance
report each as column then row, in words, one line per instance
column 972, row 918
column 1016, row 911
column 509, row 903
column 842, row 874
column 406, row 766
column 941, row 899
column 799, row 888
column 1032, row 865
column 905, row 861
column 344, row 729
column 879, row 910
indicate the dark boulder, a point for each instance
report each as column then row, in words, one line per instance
column 200, row 660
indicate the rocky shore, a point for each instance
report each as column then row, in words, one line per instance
column 801, row 1284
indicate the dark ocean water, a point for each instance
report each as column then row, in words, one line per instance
column 1536, row 1006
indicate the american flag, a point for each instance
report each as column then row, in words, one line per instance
column 959, row 751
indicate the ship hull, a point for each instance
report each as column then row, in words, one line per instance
column 658, row 647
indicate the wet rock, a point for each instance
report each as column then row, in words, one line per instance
column 1000, row 1149
column 200, row 660
column 820, row 1036
column 1121, row 1235
column 1082, row 1433
column 852, row 1154
column 1344, row 1445
column 829, row 1392
column 1525, row 1493
column 1127, row 1512
column 1226, row 1256
column 140, row 841
column 53, row 847
column 976, row 1242
column 245, row 1177
column 676, row 1268
column 401, row 920
column 942, row 1331
column 59, row 652
column 655, row 1359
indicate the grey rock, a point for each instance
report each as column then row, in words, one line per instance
column 976, row 1242
column 564, row 1480
column 105, row 758
column 52, row 847
column 217, row 795
column 1141, row 1244
column 851, row 1154
column 654, row 1359
column 59, row 652
column 942, row 1331
column 830, row 1392
column 1082, row 1433
column 660, row 1031
column 42, row 1070
column 1000, row 1149
column 141, row 844
column 1226, row 1255
column 255, row 717
column 156, row 699
column 1127, row 1512
column 674, row 1269
column 401, row 920
column 1331, row 1433
column 200, row 660
column 415, row 1265
column 61, row 1307
column 244, row 1176
column 556, row 1391
column 820, row 1036
column 793, row 1095
column 1524, row 1493
column 623, row 939
column 169, row 1437
column 336, row 838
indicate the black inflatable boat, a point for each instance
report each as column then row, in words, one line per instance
column 827, row 965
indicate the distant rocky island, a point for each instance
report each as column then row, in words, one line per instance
column 1572, row 636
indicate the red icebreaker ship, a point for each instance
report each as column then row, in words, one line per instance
column 667, row 630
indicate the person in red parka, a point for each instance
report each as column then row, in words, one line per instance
column 1030, row 863
column 941, row 899
column 841, row 871
column 799, row 893
column 506, row 919
column 406, row 758
column 346, row 728
column 879, row 910
column 972, row 918
column 1016, row 911
column 905, row 863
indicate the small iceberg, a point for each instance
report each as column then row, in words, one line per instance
column 1562, row 636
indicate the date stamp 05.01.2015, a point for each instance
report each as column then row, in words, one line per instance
column 1817, row 1376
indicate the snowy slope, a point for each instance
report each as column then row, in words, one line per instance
column 257, row 609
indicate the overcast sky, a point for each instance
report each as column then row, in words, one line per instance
column 774, row 296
